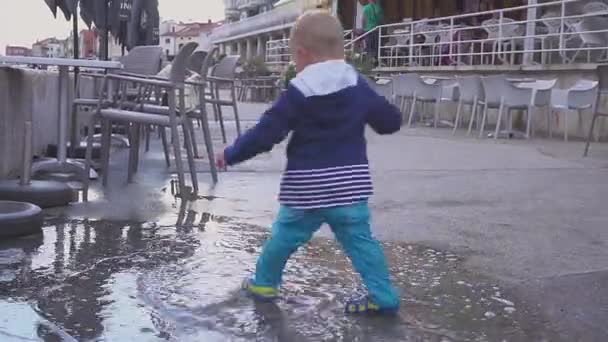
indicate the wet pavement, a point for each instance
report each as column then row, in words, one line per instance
column 115, row 281
column 487, row 241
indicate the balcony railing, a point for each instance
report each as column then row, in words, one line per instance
column 555, row 32
column 249, row 4
column 280, row 16
column 277, row 52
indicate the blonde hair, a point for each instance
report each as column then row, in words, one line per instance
column 320, row 33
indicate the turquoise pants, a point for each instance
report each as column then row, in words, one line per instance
column 350, row 224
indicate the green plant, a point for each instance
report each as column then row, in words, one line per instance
column 256, row 67
column 289, row 74
column 364, row 65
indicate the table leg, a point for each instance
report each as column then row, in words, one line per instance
column 62, row 164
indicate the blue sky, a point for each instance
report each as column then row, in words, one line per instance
column 22, row 22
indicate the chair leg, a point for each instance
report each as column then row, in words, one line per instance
column 236, row 113
column 473, row 115
column 566, row 125
column 178, row 158
column 132, row 152
column 222, row 127
column 457, row 121
column 412, row 109
column 147, row 130
column 190, row 126
column 436, row 114
column 88, row 159
column 187, row 127
column 208, row 143
column 163, row 137
column 550, row 122
column 590, row 136
column 529, row 113
column 106, row 144
column 483, row 120
column 499, row 119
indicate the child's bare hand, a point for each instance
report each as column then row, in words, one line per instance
column 220, row 161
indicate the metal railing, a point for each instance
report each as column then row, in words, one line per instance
column 563, row 31
column 277, row 52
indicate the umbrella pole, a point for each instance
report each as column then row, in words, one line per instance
column 106, row 32
column 76, row 46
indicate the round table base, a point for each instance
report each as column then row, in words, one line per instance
column 45, row 194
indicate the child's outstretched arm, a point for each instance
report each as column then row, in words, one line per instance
column 272, row 128
column 382, row 116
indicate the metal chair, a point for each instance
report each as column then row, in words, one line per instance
column 471, row 93
column 583, row 95
column 141, row 61
column 137, row 118
column 223, row 77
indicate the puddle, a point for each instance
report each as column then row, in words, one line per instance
column 114, row 281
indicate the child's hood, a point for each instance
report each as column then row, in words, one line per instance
column 325, row 78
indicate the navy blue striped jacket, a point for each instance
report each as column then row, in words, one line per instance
column 326, row 109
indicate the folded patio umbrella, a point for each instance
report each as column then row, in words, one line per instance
column 61, row 4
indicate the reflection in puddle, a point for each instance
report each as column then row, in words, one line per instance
column 110, row 281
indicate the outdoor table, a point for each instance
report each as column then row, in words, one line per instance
column 61, row 164
column 525, row 83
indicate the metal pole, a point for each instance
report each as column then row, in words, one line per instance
column 76, row 53
column 27, row 154
column 106, row 31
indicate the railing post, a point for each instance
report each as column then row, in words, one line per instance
column 412, row 36
column 530, row 32
column 500, row 33
column 561, row 31
column 450, row 40
column 379, row 28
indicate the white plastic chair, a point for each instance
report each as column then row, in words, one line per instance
column 471, row 93
column 505, row 96
column 552, row 24
column 595, row 7
column 412, row 86
column 508, row 40
column 583, row 95
column 586, row 31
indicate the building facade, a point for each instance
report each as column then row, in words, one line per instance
column 174, row 35
column 49, row 47
column 18, row 51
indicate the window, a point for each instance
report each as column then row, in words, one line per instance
column 181, row 45
column 168, row 41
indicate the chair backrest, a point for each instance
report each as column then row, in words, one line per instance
column 409, row 84
column 196, row 60
column 469, row 88
column 180, row 63
column 493, row 27
column 583, row 94
column 594, row 7
column 384, row 89
column 494, row 87
column 585, row 29
column 143, row 60
column 552, row 22
column 226, row 68
column 204, row 71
